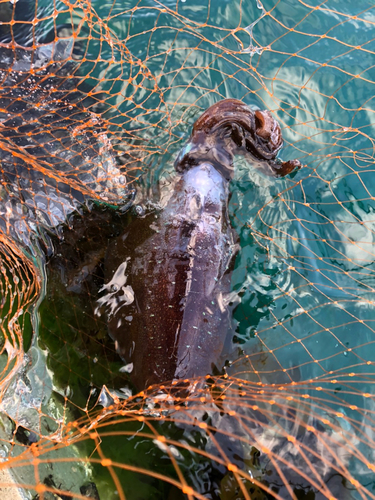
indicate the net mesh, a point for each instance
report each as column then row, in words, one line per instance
column 96, row 100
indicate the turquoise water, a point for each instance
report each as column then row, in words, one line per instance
column 305, row 78
column 305, row 270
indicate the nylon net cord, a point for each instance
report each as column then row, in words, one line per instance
column 96, row 101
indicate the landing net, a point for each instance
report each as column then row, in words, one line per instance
column 96, row 100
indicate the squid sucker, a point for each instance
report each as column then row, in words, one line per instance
column 167, row 275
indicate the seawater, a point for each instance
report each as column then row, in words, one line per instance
column 307, row 241
column 305, row 270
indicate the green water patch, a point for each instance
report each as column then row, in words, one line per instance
column 81, row 355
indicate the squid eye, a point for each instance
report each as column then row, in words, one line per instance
column 139, row 210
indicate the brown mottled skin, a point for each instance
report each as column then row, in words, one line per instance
column 229, row 127
column 167, row 311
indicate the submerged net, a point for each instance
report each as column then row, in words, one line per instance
column 96, row 100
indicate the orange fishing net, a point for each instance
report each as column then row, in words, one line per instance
column 96, row 100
